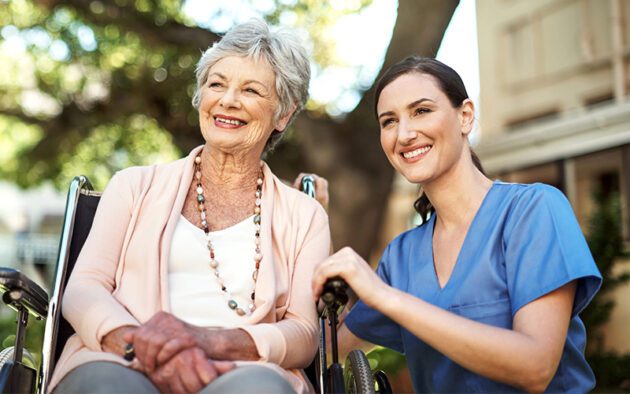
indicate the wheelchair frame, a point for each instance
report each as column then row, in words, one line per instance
column 79, row 185
column 26, row 297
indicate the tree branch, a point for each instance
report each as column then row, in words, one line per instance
column 170, row 32
column 18, row 114
column 419, row 29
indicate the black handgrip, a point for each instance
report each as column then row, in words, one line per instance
column 335, row 292
column 307, row 185
column 23, row 292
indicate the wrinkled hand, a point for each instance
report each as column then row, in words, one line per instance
column 159, row 339
column 188, row 372
column 357, row 273
column 113, row 341
column 321, row 188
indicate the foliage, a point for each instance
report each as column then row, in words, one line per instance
column 606, row 244
column 612, row 371
column 314, row 18
column 75, row 73
column 78, row 83
column 387, row 360
column 34, row 333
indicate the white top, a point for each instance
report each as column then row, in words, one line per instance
column 194, row 290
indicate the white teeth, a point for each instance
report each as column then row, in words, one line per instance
column 229, row 121
column 417, row 152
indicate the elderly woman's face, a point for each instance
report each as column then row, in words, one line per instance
column 238, row 105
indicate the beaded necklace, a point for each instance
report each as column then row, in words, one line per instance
column 214, row 264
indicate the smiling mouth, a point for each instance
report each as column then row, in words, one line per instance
column 231, row 122
column 416, row 152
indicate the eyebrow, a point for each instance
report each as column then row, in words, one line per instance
column 218, row 74
column 409, row 106
column 254, row 81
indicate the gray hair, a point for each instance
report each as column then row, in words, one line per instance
column 284, row 52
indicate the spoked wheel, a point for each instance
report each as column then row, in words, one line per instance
column 357, row 374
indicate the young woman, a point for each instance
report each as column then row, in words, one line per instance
column 485, row 295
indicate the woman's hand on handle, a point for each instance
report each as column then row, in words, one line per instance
column 348, row 265
column 358, row 274
column 321, row 188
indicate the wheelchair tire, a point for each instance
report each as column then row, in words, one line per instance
column 382, row 383
column 7, row 355
column 357, row 374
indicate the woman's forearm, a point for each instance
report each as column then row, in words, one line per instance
column 227, row 344
column 518, row 358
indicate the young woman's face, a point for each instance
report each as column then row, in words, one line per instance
column 238, row 105
column 422, row 134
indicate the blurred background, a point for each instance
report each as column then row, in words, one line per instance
column 93, row 86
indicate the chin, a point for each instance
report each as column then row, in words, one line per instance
column 418, row 180
column 415, row 175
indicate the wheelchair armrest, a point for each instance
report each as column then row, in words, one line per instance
column 21, row 292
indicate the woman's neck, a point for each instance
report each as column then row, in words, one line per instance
column 457, row 194
column 229, row 172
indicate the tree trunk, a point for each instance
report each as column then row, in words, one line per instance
column 348, row 152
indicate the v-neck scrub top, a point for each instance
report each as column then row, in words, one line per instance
column 524, row 242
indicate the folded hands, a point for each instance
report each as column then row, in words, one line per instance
column 176, row 356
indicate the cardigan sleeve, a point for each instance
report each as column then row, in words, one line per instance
column 88, row 304
column 292, row 341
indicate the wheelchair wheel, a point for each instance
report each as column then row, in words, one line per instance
column 7, row 355
column 382, row 383
column 358, row 376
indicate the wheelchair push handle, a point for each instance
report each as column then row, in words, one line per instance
column 307, row 185
column 335, row 292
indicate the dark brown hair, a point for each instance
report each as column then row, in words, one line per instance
column 449, row 82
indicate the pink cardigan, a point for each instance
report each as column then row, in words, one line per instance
column 121, row 275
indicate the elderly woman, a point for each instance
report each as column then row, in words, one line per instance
column 201, row 268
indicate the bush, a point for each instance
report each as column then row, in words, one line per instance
column 606, row 243
column 34, row 334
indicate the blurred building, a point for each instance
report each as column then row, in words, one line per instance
column 30, row 227
column 554, row 78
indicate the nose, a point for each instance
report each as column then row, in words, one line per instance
column 406, row 133
column 230, row 99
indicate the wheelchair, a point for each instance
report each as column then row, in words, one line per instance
column 27, row 298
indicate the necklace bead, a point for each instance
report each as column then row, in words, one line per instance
column 214, row 264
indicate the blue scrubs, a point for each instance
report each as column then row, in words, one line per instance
column 523, row 243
